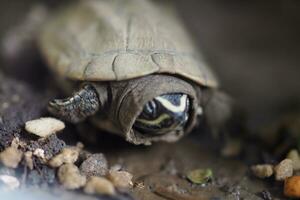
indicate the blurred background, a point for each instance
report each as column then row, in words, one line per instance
column 254, row 47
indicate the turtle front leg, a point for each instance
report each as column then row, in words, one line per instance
column 78, row 107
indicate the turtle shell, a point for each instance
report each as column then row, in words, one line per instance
column 112, row 40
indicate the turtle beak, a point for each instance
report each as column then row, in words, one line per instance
column 78, row 107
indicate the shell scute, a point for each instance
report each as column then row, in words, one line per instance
column 127, row 65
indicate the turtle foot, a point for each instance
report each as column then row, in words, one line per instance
column 78, row 107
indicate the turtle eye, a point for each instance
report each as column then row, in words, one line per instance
column 164, row 114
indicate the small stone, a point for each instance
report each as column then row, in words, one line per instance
column 50, row 145
column 262, row 171
column 44, row 127
column 284, row 170
column 99, row 185
column 70, row 177
column 10, row 182
column 94, row 165
column 28, row 159
column 294, row 156
column 11, row 157
column 40, row 153
column 120, row 179
column 292, row 187
column 68, row 155
column 200, row 176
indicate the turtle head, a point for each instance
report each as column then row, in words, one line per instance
column 163, row 114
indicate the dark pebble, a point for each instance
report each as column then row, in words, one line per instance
column 43, row 175
column 51, row 145
column 94, row 165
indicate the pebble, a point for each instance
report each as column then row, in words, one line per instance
column 120, row 179
column 294, row 156
column 200, row 176
column 284, row 170
column 70, row 177
column 68, row 155
column 94, row 165
column 292, row 187
column 44, row 127
column 99, row 185
column 262, row 171
column 50, row 145
column 11, row 157
column 10, row 182
column 40, row 153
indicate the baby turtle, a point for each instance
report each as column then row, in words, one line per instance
column 136, row 71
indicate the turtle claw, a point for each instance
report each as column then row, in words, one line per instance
column 77, row 108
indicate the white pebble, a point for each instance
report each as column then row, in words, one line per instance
column 39, row 153
column 262, row 171
column 44, row 127
column 10, row 182
column 284, row 170
column 294, row 156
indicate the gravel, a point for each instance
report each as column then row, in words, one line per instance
column 94, row 165
column 99, row 185
column 70, row 177
column 44, row 127
column 284, row 170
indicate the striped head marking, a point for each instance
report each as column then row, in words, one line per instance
column 163, row 114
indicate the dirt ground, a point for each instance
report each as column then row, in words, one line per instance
column 253, row 47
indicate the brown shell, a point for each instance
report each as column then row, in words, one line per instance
column 107, row 40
